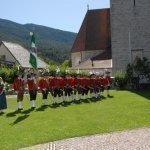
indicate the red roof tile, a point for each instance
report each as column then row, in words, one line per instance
column 94, row 33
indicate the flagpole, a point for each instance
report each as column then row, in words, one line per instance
column 33, row 55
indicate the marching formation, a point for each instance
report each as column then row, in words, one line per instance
column 59, row 88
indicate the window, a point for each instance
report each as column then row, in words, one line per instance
column 137, row 53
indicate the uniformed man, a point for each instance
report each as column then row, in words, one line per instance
column 44, row 87
column 19, row 87
column 108, row 81
column 58, row 92
column 32, row 86
column 102, row 84
column 51, row 84
column 68, row 87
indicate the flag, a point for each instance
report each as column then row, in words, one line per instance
column 33, row 52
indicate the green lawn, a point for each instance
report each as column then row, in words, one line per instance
column 125, row 110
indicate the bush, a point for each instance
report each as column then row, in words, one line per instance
column 120, row 79
column 8, row 74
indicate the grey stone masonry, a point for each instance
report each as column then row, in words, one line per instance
column 130, row 31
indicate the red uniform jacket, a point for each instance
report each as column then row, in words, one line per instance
column 107, row 80
column 102, row 81
column 18, row 85
column 58, row 82
column 31, row 84
column 70, row 81
column 43, row 84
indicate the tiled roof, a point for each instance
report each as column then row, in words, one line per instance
column 22, row 55
column 94, row 33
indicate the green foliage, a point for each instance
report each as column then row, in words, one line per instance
column 7, row 74
column 73, row 73
column 139, row 67
column 120, row 79
column 129, row 71
column 142, row 66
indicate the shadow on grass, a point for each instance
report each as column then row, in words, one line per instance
column 86, row 100
column 93, row 99
column 110, row 96
column 12, row 114
column 20, row 119
column 65, row 103
column 143, row 93
column 77, row 102
column 27, row 111
column 103, row 97
column 42, row 108
column 54, row 105
column 2, row 113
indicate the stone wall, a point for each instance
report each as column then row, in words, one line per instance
column 76, row 58
column 83, row 56
column 130, row 31
column 89, row 54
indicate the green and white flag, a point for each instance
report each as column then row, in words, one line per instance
column 33, row 52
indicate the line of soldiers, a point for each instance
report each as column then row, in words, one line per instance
column 60, row 87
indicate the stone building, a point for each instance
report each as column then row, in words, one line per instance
column 92, row 44
column 130, row 31
column 112, row 38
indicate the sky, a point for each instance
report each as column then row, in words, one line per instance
column 59, row 14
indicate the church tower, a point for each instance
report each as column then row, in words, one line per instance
column 130, row 31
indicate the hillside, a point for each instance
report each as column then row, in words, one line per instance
column 52, row 44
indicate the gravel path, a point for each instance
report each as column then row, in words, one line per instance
column 137, row 139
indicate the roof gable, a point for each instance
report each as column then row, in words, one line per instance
column 94, row 33
column 22, row 55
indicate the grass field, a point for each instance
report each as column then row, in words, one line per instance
column 125, row 110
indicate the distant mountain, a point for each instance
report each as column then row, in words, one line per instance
column 52, row 44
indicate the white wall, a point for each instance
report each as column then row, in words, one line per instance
column 83, row 56
column 8, row 55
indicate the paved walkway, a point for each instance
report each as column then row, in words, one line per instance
column 137, row 139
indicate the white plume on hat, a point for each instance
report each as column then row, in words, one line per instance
column 57, row 70
column 97, row 73
column 107, row 71
column 67, row 70
column 93, row 72
column 48, row 70
column 90, row 72
column 78, row 71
